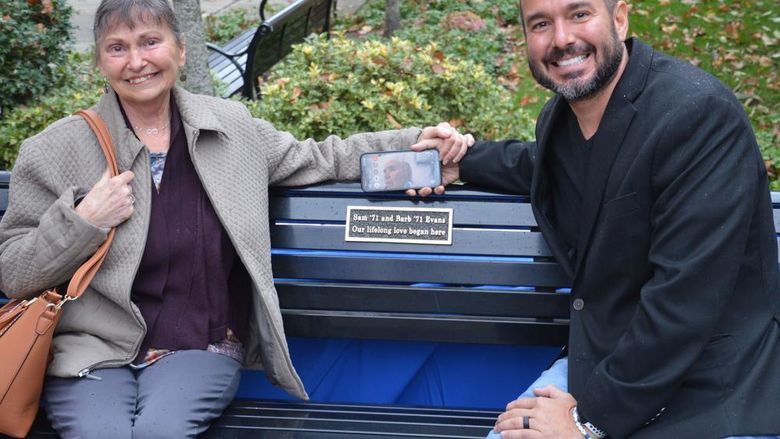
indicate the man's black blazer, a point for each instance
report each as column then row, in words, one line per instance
column 677, row 275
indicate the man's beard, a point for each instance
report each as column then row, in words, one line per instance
column 578, row 89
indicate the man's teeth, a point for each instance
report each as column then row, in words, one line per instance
column 572, row 61
column 141, row 79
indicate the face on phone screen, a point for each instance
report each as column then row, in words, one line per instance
column 399, row 170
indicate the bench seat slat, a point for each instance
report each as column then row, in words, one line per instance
column 398, row 410
column 375, row 418
column 336, row 410
column 311, row 420
column 227, row 71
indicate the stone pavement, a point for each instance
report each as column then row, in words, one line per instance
column 84, row 10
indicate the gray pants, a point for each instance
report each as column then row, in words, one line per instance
column 176, row 397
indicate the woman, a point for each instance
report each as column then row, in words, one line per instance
column 185, row 296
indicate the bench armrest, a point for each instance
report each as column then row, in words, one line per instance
column 230, row 56
column 262, row 10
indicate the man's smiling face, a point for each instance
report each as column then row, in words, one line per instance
column 574, row 46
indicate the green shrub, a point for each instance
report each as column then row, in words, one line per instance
column 33, row 35
column 342, row 86
column 81, row 87
column 227, row 25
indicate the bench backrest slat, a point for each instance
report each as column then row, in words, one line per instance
column 471, row 241
column 406, row 299
column 406, row 327
column 502, row 211
column 393, row 270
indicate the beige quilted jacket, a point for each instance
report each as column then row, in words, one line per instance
column 43, row 241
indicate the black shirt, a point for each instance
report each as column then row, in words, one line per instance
column 567, row 164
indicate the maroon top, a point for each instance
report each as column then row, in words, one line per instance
column 191, row 285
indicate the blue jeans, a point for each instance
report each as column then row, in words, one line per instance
column 557, row 375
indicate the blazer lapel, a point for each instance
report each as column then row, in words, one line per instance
column 609, row 138
column 540, row 188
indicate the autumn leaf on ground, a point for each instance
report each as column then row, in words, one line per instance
column 463, row 20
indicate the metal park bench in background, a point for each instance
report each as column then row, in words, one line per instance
column 241, row 61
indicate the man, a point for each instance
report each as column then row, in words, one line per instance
column 648, row 186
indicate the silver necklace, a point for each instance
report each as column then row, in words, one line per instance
column 153, row 131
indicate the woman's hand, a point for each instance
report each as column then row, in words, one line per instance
column 110, row 201
column 452, row 147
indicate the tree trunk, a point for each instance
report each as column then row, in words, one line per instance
column 197, row 67
column 392, row 17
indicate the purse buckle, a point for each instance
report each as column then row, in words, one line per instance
column 62, row 302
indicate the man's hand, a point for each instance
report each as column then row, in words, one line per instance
column 452, row 147
column 549, row 416
column 109, row 202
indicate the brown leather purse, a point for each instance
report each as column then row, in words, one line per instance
column 27, row 326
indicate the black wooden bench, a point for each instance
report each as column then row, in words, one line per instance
column 241, row 61
column 466, row 292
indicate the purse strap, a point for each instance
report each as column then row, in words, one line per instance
column 84, row 275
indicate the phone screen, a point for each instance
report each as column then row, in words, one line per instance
column 399, row 170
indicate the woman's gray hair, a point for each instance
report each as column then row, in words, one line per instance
column 129, row 12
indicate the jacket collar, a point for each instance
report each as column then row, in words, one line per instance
column 195, row 113
column 194, row 116
column 607, row 141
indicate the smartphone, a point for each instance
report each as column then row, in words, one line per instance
column 399, row 170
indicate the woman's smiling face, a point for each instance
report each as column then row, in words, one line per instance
column 142, row 61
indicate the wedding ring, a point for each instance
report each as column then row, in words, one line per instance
column 132, row 198
column 526, row 423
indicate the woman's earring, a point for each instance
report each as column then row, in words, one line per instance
column 183, row 77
